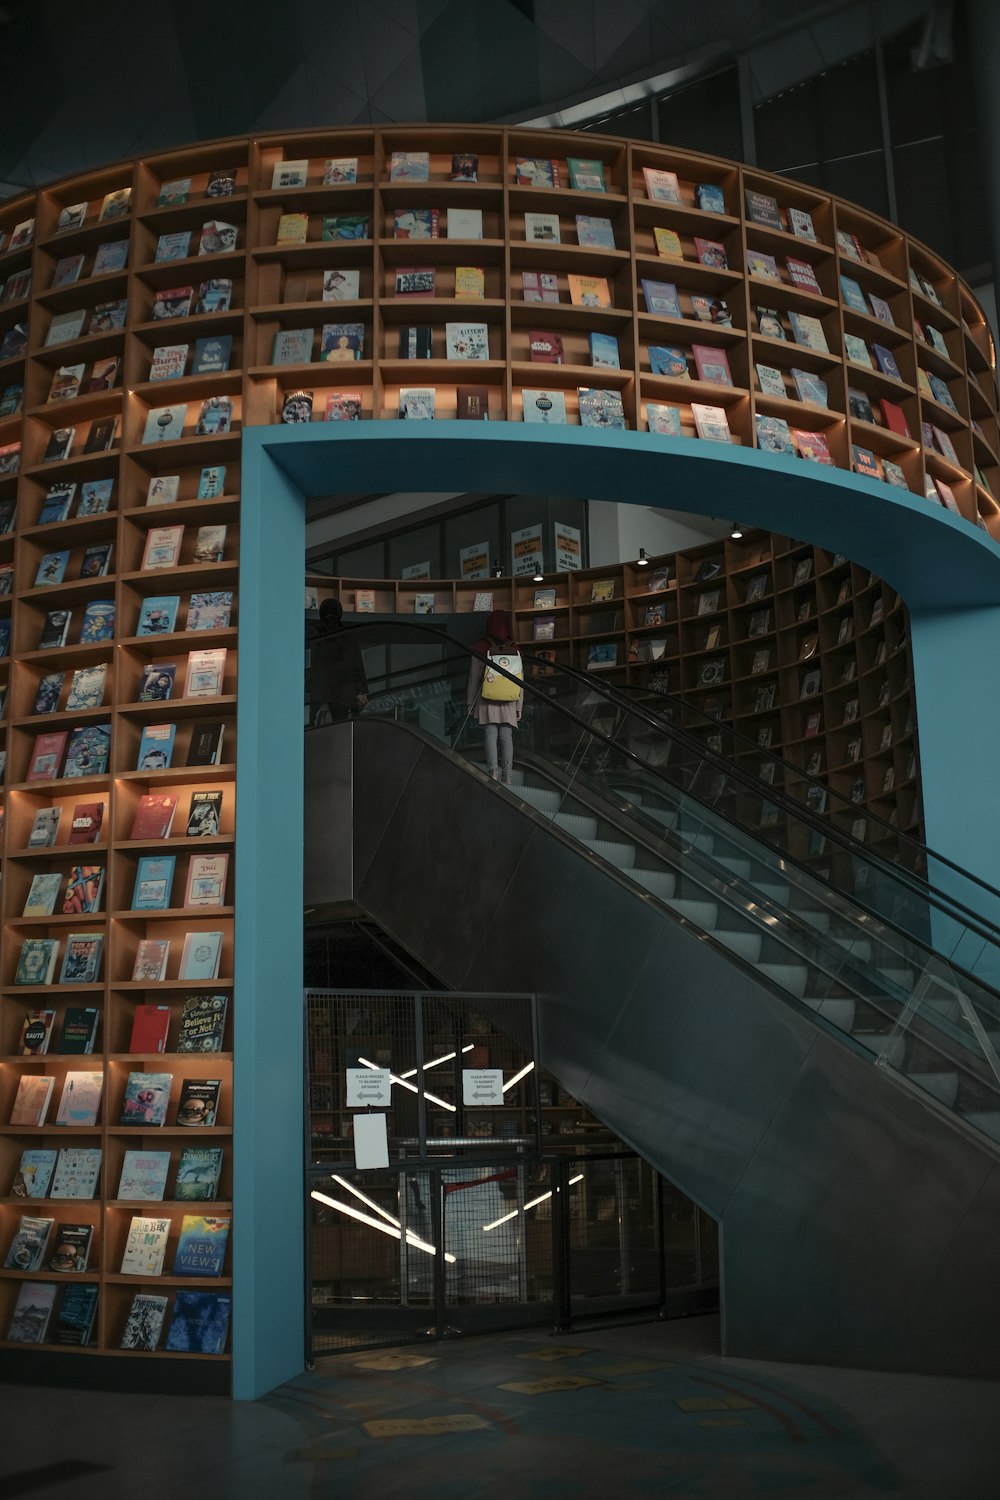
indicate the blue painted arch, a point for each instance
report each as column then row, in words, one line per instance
column 946, row 569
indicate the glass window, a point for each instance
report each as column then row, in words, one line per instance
column 362, row 562
column 413, row 547
column 530, row 510
column 468, row 530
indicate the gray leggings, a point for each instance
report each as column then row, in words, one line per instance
column 505, row 733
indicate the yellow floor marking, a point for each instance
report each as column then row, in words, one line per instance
column 553, row 1383
column 560, row 1352
column 392, row 1362
column 424, row 1426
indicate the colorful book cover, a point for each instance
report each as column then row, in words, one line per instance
column 201, row 1245
column 81, row 1099
column 34, row 1173
column 156, row 747
column 203, row 1023
column 199, row 1323
column 198, row 1173
column 145, row 1247
column 77, row 1171
column 147, row 1096
column 82, row 959
column 83, row 889
column 87, row 752
column 144, row 1175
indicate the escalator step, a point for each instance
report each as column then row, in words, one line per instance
column 790, row 977
column 986, row 1120
column 892, row 1048
column 776, row 893
column 541, row 799
column 702, row 913
column 838, row 1010
column 660, row 882
column 740, row 867
column 746, row 944
column 622, row 856
column 577, row 824
column 943, row 1086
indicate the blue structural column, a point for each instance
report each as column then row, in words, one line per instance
column 946, row 570
column 268, row 1213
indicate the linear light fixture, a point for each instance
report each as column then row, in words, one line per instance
column 518, row 1076
column 437, row 1061
column 396, row 1234
column 533, row 1204
column 406, row 1084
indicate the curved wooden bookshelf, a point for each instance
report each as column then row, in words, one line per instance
column 85, row 303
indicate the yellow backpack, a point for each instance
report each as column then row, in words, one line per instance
column 497, row 688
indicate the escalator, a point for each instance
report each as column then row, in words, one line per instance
column 811, row 1062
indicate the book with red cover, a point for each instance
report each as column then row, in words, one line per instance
column 154, row 816
column 47, row 756
column 85, row 827
column 545, row 348
column 712, row 364
column 150, row 1026
column 894, row 417
column 812, row 445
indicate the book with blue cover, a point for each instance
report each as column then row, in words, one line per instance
column 57, row 503
column 154, row 877
column 199, row 1323
column 158, row 615
column 98, row 621
column 201, row 1246
column 604, row 351
column 86, row 688
column 87, row 753
column 156, row 747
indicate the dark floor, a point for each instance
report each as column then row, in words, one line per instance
column 627, row 1411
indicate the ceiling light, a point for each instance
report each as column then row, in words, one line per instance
column 642, row 561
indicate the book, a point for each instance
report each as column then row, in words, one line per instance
column 473, row 403
column 345, row 227
column 77, row 1173
column 11, row 399
column 808, row 331
column 144, row 1323
column 201, row 1245
column 154, row 816
column 156, row 684
column 810, row 387
column 168, row 362
column 857, row 351
column 206, row 882
column 762, row 209
column 415, row 223
column 101, row 436
column 539, row 286
column 47, row 756
column 296, row 406
column 770, row 380
column 150, row 963
column 209, row 544
column 668, row 243
column 467, row 341
column 711, row 423
column 81, row 1099
column 544, row 406
column 86, row 822
column 79, row 1029
column 416, row 403
column 153, row 881
column 156, row 747
column 415, row 281
column 70, row 1250
column 600, row 408
column 859, row 405
column 206, row 744
column 665, row 420
column 144, row 1173
column 293, row 229
column 800, row 223
column 589, row 291
column 200, row 956
column 84, row 884
column 199, row 1103
column 173, row 246
column 34, row 1173
column 44, row 828
column 203, row 1023
column 158, row 614
column 172, row 302
column 661, row 298
column 164, row 424
column 109, row 257
column 36, row 1028
column 199, row 1323
column 48, row 692
column 31, row 1101
column 211, row 610
column 762, row 265
column 198, row 1173
column 661, row 186
column 217, row 237
column 802, row 274
column 595, row 231
column 602, row 657
column 852, row 294
column 604, row 351
column 96, row 560
column 27, row 1248
column 812, row 445
column 712, row 364
column 51, row 568
column 32, row 1313
column 82, row 959
column 163, row 489
column 886, row 361
column 292, row 346
column 545, row 348
column 536, row 171
column 470, row 283
column 341, row 285
column 215, row 295
column 416, row 342
column 59, row 445
column 543, row 629
column 41, row 902
column 710, row 198
column 147, row 1096
column 214, row 416
column 773, row 435
column 145, row 1247
column 205, row 673
column 87, row 751
column 66, row 382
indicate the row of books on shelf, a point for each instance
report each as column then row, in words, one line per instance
column 66, row 327
column 205, row 886
column 199, row 1322
column 200, row 1249
column 201, row 1028
column 146, row 1102
column 200, row 954
column 74, row 1172
column 154, row 814
column 114, row 205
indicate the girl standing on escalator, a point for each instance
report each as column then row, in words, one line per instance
column 497, row 700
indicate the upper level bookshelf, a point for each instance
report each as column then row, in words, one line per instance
column 474, row 272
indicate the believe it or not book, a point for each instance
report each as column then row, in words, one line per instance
column 82, row 959
column 589, row 291
column 198, row 1103
column 147, row 1096
column 203, row 1023
column 661, row 299
column 200, row 956
column 712, row 364
column 145, row 1247
column 164, row 424
column 544, row 406
column 205, row 673
column 201, row 1246
column 541, row 228
column 601, row 408
column 81, row 1099
column 665, row 420
column 154, row 816
column 144, row 1175
column 545, row 348
column 539, row 286
column 711, row 423
column 808, row 331
column 206, row 882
